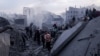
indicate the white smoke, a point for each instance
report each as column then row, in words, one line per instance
column 39, row 16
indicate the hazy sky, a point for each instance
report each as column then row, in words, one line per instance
column 56, row 6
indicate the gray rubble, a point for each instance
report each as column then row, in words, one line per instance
column 89, row 43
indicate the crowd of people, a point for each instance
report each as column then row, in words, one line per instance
column 41, row 37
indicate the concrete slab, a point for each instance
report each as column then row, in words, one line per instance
column 66, row 37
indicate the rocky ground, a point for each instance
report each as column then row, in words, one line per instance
column 32, row 49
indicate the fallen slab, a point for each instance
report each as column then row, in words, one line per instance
column 66, row 37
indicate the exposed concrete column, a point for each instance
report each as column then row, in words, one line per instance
column 4, row 44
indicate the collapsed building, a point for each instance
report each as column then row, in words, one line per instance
column 11, row 41
column 4, row 38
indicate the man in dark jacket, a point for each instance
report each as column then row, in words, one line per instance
column 37, row 37
column 42, row 38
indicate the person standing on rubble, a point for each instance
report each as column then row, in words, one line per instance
column 48, row 38
column 42, row 38
column 55, row 29
column 31, row 30
column 37, row 37
column 27, row 31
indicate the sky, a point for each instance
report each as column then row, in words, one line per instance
column 55, row 6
